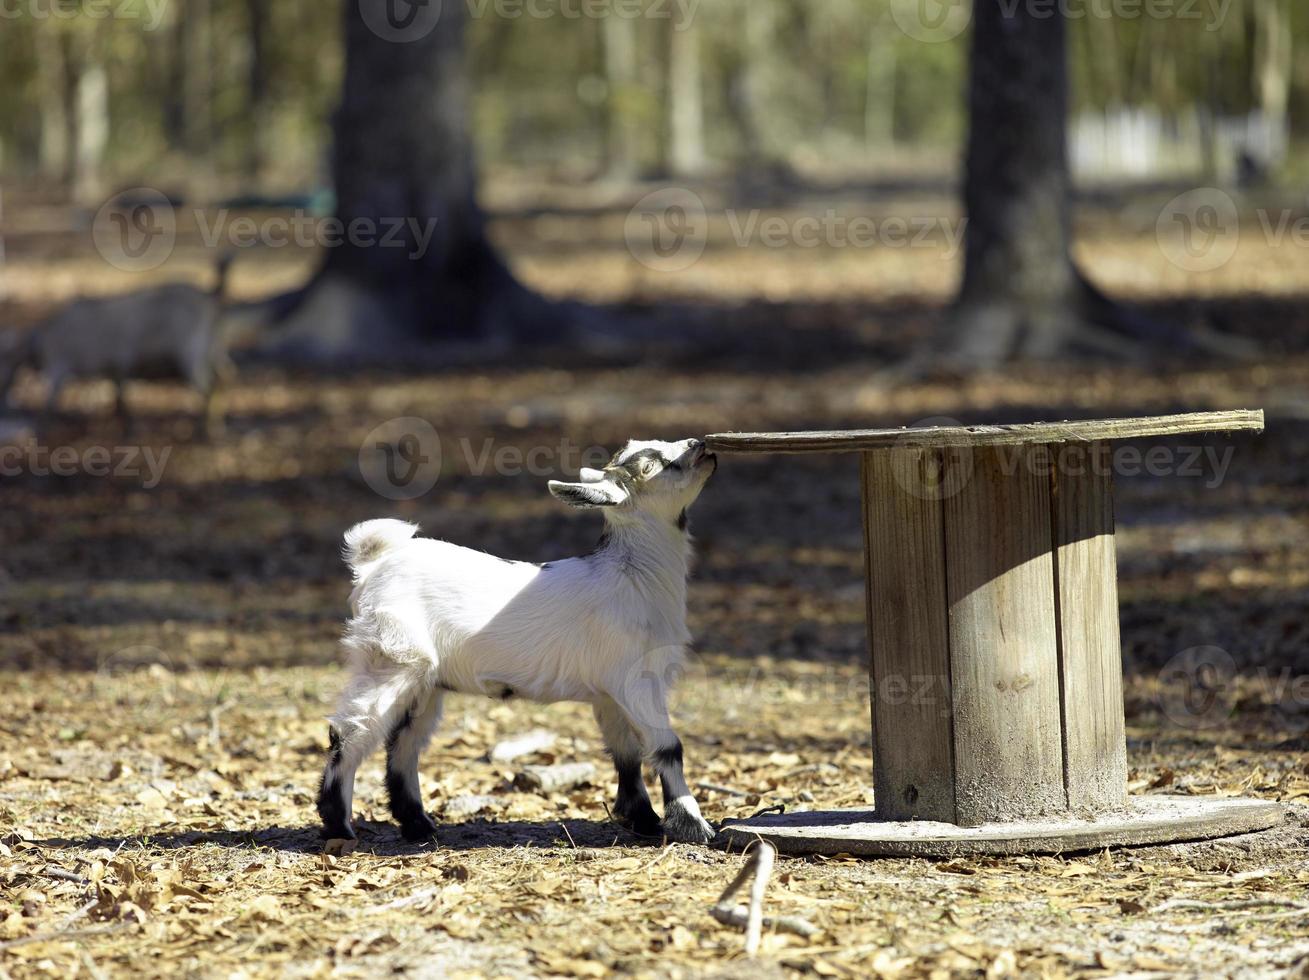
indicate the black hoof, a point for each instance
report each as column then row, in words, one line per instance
column 418, row 829
column 644, row 822
column 686, row 828
column 336, row 833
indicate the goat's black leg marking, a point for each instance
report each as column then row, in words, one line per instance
column 632, row 807
column 402, row 787
column 682, row 819
column 332, row 807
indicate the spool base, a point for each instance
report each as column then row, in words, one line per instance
column 1145, row 820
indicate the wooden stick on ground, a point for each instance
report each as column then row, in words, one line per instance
column 759, row 865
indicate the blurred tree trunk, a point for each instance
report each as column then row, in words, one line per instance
column 751, row 101
column 56, row 128
column 257, row 14
column 880, row 90
column 623, row 143
column 405, row 179
column 1022, row 295
column 174, row 99
column 196, row 33
column 1020, row 290
column 90, row 115
column 686, row 150
column 1272, row 66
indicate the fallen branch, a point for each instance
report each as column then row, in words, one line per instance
column 715, row 788
column 521, row 745
column 1245, row 903
column 738, row 916
column 759, row 866
column 62, row 875
column 62, row 933
column 555, row 779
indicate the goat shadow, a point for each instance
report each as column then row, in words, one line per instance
column 382, row 839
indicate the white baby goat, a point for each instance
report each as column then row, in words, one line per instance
column 608, row 629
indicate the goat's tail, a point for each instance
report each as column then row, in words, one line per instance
column 366, row 543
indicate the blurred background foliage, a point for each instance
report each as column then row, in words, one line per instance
column 236, row 96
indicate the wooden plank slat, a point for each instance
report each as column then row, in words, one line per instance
column 860, row 440
column 1091, row 669
column 909, row 660
column 1004, row 666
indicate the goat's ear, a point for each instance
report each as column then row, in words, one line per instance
column 588, row 475
column 603, row 494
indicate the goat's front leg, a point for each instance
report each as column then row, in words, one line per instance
column 682, row 819
column 632, row 808
column 404, row 745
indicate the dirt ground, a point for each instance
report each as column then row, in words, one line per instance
column 168, row 646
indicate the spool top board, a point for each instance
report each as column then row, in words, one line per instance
column 935, row 437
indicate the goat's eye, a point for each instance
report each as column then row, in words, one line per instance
column 648, row 468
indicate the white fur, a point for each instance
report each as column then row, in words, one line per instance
column 429, row 616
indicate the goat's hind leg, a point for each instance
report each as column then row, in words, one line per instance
column 376, row 696
column 632, row 807
column 404, row 746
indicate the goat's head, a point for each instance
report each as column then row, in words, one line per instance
column 659, row 478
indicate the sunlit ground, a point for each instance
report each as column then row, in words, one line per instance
column 169, row 650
